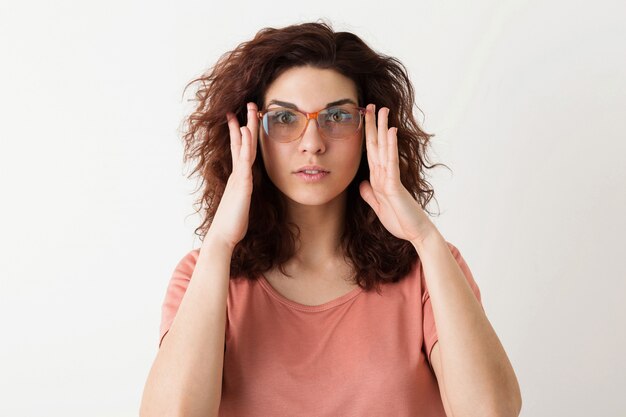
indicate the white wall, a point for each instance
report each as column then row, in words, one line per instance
column 527, row 100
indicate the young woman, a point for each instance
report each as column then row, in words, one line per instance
column 321, row 287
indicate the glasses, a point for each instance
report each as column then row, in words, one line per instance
column 284, row 125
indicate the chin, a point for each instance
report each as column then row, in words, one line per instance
column 313, row 197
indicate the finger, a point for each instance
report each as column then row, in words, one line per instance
column 253, row 126
column 370, row 135
column 367, row 193
column 244, row 154
column 383, row 132
column 393, row 161
column 235, row 137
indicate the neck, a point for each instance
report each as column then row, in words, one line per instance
column 320, row 229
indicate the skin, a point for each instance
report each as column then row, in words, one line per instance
column 474, row 374
column 320, row 206
column 317, row 208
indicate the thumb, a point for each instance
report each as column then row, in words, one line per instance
column 368, row 195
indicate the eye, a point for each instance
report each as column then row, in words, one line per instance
column 338, row 115
column 282, row 117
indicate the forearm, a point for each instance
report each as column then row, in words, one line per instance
column 478, row 377
column 186, row 377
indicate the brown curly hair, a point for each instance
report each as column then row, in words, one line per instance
column 244, row 74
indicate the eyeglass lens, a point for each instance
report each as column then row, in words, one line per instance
column 284, row 125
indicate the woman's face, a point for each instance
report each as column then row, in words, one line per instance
column 310, row 90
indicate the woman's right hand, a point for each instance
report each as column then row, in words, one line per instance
column 230, row 223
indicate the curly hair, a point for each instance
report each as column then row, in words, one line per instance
column 243, row 75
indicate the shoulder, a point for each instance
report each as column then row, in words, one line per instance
column 461, row 262
column 187, row 263
column 455, row 251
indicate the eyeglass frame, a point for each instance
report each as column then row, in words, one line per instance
column 309, row 116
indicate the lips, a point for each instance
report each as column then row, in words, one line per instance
column 312, row 168
column 312, row 177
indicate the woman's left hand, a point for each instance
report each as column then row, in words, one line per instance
column 397, row 210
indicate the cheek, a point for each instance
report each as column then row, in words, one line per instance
column 356, row 152
column 266, row 151
column 275, row 162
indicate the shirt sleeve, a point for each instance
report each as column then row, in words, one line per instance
column 176, row 290
column 428, row 326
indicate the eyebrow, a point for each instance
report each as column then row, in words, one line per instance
column 293, row 106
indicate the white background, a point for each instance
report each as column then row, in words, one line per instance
column 527, row 100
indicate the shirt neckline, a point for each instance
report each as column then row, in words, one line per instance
column 303, row 307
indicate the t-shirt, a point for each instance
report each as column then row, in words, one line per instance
column 361, row 354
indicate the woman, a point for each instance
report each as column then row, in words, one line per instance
column 276, row 314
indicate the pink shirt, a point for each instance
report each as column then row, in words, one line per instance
column 362, row 354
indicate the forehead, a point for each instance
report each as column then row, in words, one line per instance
column 310, row 88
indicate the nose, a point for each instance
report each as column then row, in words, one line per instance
column 311, row 140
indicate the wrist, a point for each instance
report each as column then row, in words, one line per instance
column 433, row 237
column 215, row 242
